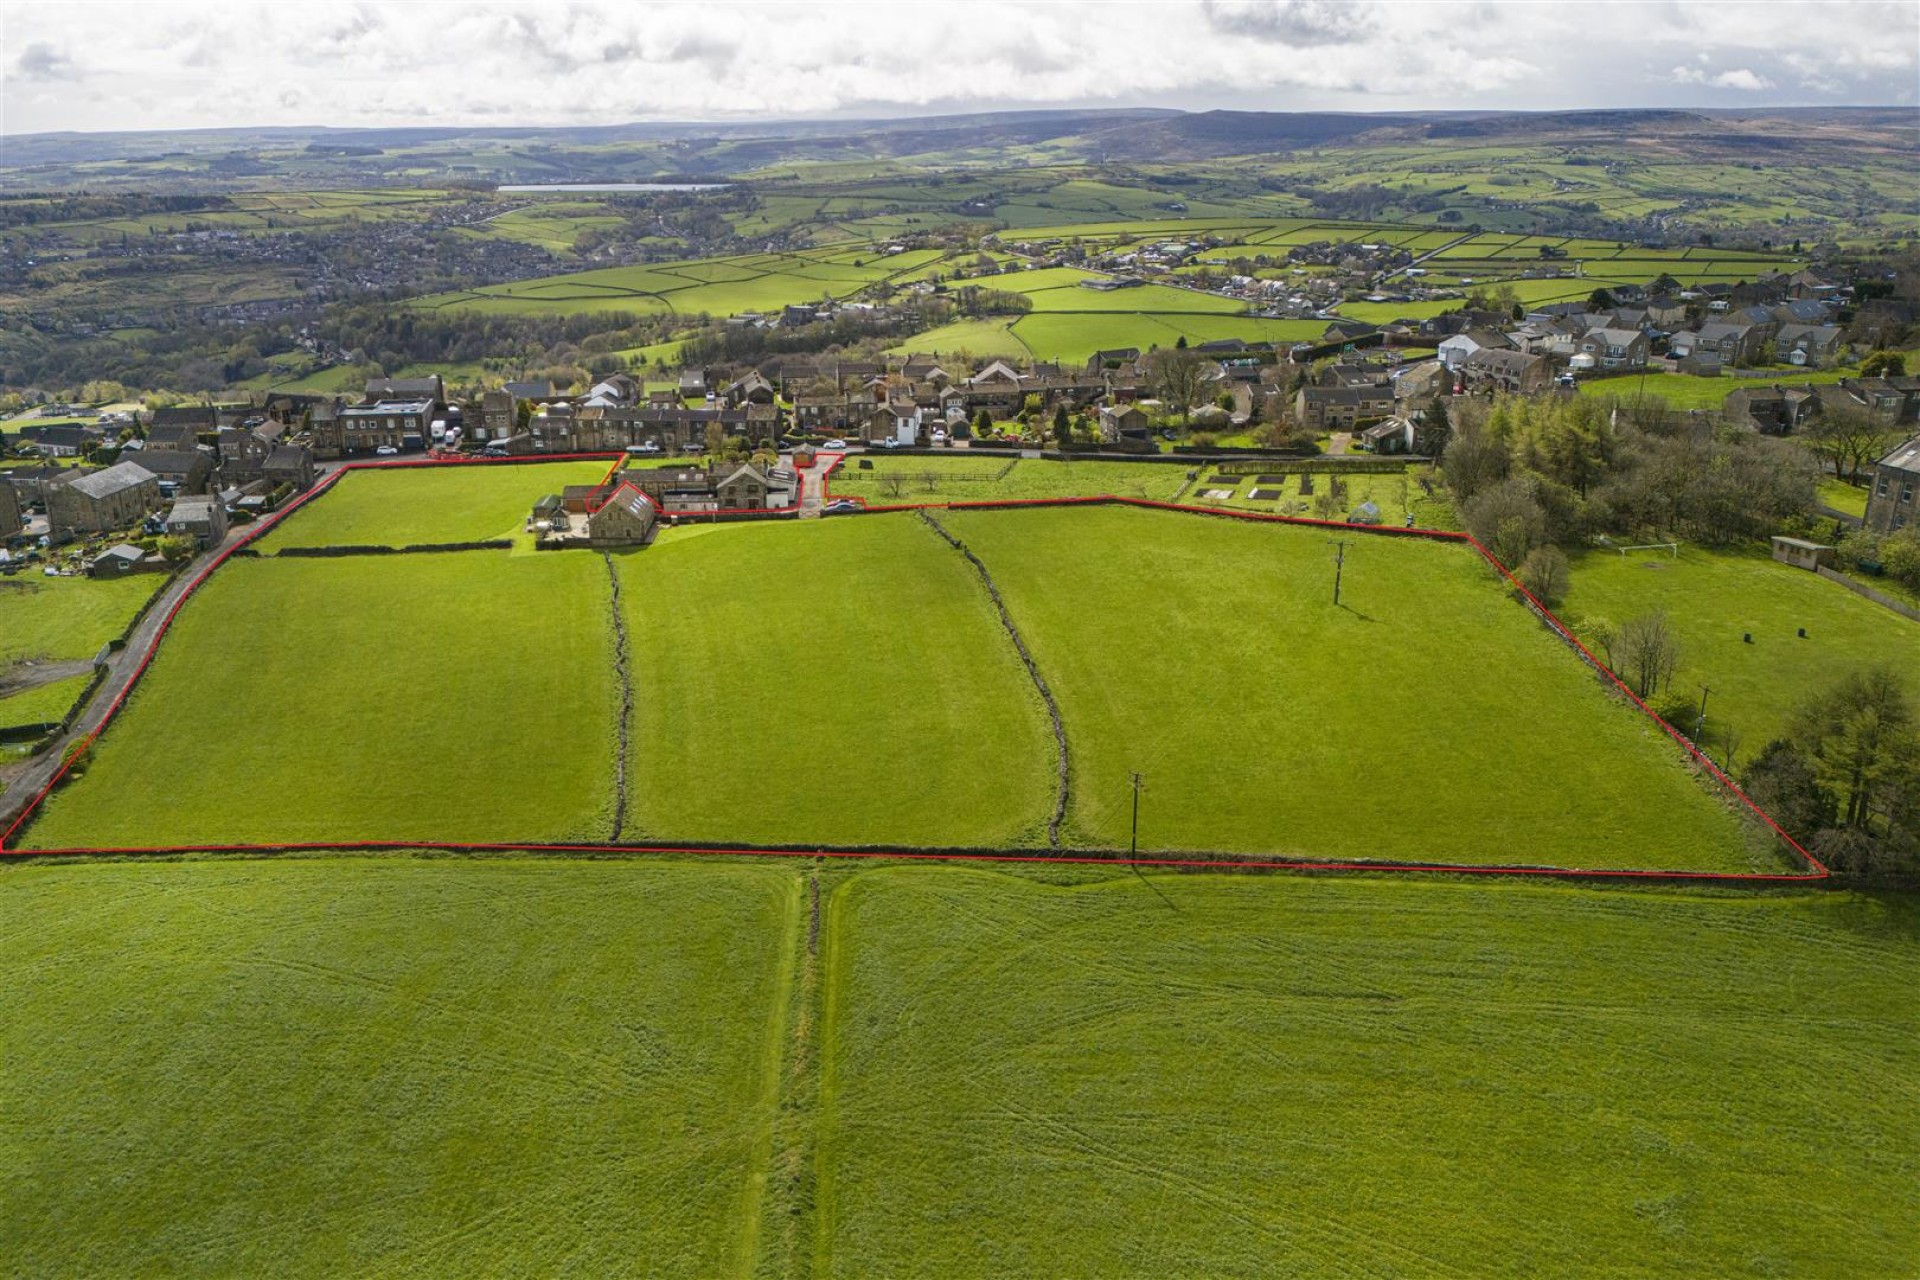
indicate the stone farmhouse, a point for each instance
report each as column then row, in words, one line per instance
column 115, row 498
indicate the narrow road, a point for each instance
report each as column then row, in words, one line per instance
column 24, row 781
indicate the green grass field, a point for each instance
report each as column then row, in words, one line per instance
column 1713, row 600
column 846, row 681
column 42, row 704
column 961, row 478
column 67, row 619
column 1315, row 1078
column 1347, row 732
column 456, row 696
column 407, row 506
column 367, row 1067
column 317, row 1066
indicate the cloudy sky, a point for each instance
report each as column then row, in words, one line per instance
column 89, row 65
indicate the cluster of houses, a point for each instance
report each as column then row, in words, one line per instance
column 193, row 471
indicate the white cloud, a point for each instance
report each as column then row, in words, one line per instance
column 202, row 63
column 1741, row 78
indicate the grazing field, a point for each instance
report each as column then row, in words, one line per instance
column 963, row 478
column 844, row 681
column 1713, row 600
column 1351, row 731
column 67, row 619
column 1204, row 1076
column 408, row 506
column 326, row 1067
column 464, row 696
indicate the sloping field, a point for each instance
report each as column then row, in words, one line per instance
column 460, row 696
column 410, row 506
column 318, row 1068
column 961, row 478
column 848, row 681
column 845, row 682
column 1714, row 601
column 67, row 619
column 1202, row 1076
column 1425, row 718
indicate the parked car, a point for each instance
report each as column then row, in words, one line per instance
column 386, row 451
column 645, row 446
column 842, row 504
column 889, row 444
column 834, row 444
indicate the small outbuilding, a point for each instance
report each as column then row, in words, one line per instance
column 1802, row 554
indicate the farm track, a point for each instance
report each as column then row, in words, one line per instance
column 1033, row 671
column 620, row 672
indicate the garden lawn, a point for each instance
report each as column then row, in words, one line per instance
column 843, row 681
column 1713, row 600
column 461, row 696
column 388, row 1067
column 1841, row 496
column 1205, row 1076
column 962, row 478
column 406, row 506
column 67, row 619
column 1429, row 717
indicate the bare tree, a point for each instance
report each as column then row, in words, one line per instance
column 1648, row 653
column 1851, row 440
column 1177, row 375
column 1544, row 572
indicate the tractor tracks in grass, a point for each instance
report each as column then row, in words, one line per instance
column 621, row 674
column 1062, row 758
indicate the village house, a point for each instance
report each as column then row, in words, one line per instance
column 1123, row 423
column 1774, row 410
column 201, row 518
column 1614, row 348
column 61, row 441
column 116, row 498
column 431, row 389
column 385, row 424
column 1511, row 371
column 1454, row 351
column 1341, row 408
column 1390, row 436
column 1891, row 501
column 1810, row 346
column 179, row 471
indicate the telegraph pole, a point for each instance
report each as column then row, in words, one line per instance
column 1700, row 725
column 1133, row 847
column 1339, row 566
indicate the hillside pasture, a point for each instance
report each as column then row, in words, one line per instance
column 420, row 505
column 462, row 696
column 1291, row 738
column 960, row 478
column 67, row 619
column 316, row 1067
column 1713, row 600
column 843, row 681
column 1212, row 1076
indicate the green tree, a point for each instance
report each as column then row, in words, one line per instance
column 983, row 424
column 1062, row 427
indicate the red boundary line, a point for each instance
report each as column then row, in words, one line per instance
column 1819, row 870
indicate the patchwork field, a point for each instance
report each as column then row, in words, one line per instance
column 466, row 696
column 1713, row 600
column 407, row 506
column 847, row 681
column 312, row 1068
